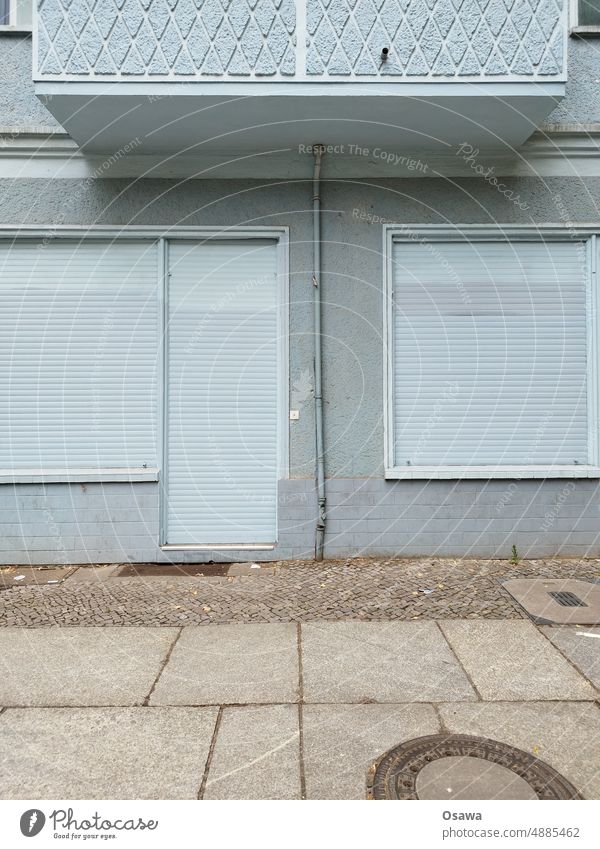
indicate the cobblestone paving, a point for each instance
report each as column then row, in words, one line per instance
column 298, row 591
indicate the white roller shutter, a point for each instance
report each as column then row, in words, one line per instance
column 489, row 353
column 79, row 348
column 222, row 393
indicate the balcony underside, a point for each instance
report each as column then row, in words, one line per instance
column 240, row 119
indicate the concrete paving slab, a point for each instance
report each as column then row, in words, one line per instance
column 85, row 574
column 173, row 571
column 80, row 666
column 253, row 569
column 256, row 754
column 511, row 660
column 564, row 735
column 104, row 753
column 541, row 599
column 27, row 576
column 350, row 662
column 341, row 742
column 581, row 646
column 231, row 664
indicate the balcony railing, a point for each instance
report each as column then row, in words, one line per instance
column 300, row 40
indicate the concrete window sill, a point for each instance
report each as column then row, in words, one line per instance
column 586, row 32
column 490, row 472
column 12, row 476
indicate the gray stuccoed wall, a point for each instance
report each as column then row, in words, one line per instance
column 19, row 107
column 367, row 514
column 109, row 522
column 581, row 105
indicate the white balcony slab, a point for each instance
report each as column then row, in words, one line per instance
column 245, row 120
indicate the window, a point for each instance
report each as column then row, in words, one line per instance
column 489, row 366
column 78, row 343
column 16, row 15
column 585, row 16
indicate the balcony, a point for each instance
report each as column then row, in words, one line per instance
column 230, row 77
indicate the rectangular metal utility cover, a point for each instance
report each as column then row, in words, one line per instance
column 221, row 393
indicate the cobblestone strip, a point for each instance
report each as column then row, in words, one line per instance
column 290, row 592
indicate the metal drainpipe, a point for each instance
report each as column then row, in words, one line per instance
column 318, row 150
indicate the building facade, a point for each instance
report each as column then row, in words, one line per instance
column 291, row 277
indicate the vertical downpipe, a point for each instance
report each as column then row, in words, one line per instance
column 318, row 150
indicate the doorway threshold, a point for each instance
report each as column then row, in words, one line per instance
column 259, row 546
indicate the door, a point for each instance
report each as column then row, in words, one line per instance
column 222, row 393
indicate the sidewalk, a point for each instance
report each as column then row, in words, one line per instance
column 282, row 710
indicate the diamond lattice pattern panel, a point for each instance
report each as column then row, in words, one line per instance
column 158, row 38
column 435, row 38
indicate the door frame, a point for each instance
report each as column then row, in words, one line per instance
column 207, row 234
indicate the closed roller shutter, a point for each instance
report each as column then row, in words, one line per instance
column 222, row 393
column 79, row 348
column 489, row 353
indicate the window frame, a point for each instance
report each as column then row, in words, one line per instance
column 20, row 16
column 410, row 233
column 590, row 30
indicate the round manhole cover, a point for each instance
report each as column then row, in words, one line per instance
column 460, row 767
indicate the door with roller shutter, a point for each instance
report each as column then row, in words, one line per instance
column 222, row 394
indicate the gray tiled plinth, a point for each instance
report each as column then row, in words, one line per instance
column 80, row 666
column 341, row 742
column 104, row 753
column 383, row 662
column 564, row 735
column 512, row 660
column 581, row 646
column 231, row 664
column 256, row 755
